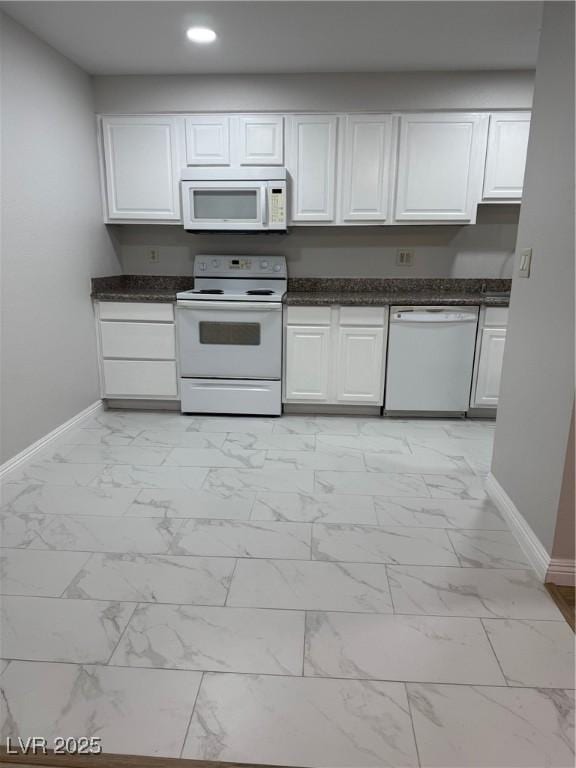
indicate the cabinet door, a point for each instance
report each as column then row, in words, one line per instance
column 260, row 140
column 359, row 369
column 312, row 165
column 208, row 140
column 506, row 155
column 366, row 167
column 440, row 167
column 307, row 363
column 142, row 167
column 490, row 367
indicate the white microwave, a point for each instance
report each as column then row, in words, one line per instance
column 234, row 200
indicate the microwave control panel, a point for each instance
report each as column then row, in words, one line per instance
column 277, row 205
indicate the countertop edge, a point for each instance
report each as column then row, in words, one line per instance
column 150, row 298
column 303, row 300
column 296, row 299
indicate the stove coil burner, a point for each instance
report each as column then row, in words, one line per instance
column 210, row 290
column 259, row 293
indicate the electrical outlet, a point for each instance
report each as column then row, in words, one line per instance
column 525, row 262
column 153, row 255
column 404, row 257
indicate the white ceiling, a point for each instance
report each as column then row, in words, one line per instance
column 268, row 37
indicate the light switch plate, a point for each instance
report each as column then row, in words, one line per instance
column 525, row 262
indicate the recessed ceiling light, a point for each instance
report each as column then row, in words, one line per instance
column 201, row 35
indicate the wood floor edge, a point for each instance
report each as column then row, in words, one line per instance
column 50, row 760
column 564, row 599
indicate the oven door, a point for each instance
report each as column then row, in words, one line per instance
column 230, row 339
column 230, row 205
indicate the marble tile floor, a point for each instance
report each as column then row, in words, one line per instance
column 305, row 591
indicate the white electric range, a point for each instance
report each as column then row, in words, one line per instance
column 229, row 329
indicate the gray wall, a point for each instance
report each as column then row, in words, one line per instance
column 52, row 241
column 485, row 249
column 315, row 92
column 538, row 379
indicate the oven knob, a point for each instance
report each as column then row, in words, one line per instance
column 264, row 265
column 276, row 267
column 215, row 263
column 202, row 265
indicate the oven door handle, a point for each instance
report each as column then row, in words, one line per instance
column 236, row 306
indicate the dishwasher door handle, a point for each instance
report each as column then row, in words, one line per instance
column 433, row 316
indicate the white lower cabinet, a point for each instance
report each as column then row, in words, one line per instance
column 307, row 362
column 489, row 358
column 359, row 365
column 137, row 350
column 335, row 355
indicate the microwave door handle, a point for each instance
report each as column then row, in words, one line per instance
column 264, row 198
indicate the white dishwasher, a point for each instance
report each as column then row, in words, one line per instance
column 430, row 358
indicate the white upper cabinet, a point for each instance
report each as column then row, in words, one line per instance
column 208, row 140
column 366, row 163
column 235, row 140
column 345, row 169
column 312, row 165
column 260, row 140
column 141, row 159
column 440, row 166
column 506, row 155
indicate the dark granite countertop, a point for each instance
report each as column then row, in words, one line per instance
column 378, row 299
column 149, row 288
column 324, row 291
column 401, row 291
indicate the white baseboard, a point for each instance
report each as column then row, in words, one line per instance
column 524, row 535
column 39, row 445
column 562, row 571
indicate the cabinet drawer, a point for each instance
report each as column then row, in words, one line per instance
column 362, row 316
column 137, row 378
column 308, row 315
column 496, row 316
column 148, row 341
column 132, row 310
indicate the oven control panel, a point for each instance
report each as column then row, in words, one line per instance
column 242, row 266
